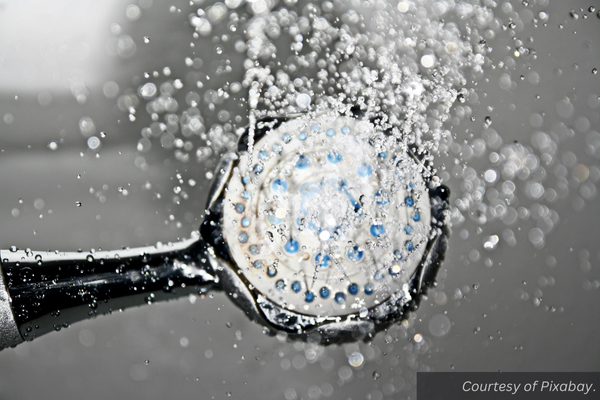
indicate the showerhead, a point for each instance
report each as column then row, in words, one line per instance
column 326, row 226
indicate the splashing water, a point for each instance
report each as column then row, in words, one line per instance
column 411, row 67
column 404, row 64
column 408, row 65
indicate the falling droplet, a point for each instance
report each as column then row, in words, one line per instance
column 490, row 243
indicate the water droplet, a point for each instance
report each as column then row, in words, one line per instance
column 490, row 243
column 87, row 126
column 133, row 12
column 439, row 325
column 303, row 100
column 428, row 61
column 403, row 6
column 356, row 359
column 93, row 143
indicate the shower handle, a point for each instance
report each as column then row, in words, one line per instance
column 42, row 292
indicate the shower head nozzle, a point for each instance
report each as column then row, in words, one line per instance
column 325, row 223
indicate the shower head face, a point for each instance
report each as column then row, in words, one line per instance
column 327, row 217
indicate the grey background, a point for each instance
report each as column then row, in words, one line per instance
column 206, row 348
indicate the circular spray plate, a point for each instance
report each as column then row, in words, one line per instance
column 326, row 216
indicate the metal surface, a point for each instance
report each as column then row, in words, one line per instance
column 9, row 332
column 49, row 291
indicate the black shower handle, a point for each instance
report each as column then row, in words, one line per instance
column 45, row 291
